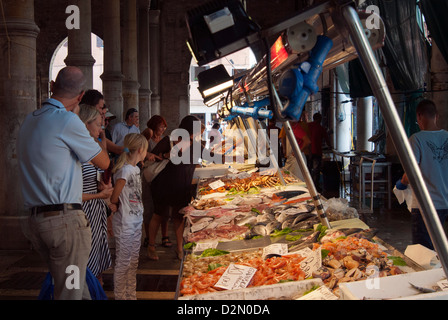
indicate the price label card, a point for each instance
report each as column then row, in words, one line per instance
column 443, row 284
column 236, row 277
column 233, row 170
column 322, row 293
column 312, row 262
column 216, row 184
column 201, row 246
column 276, row 248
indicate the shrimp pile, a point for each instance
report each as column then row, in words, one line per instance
column 342, row 247
column 245, row 184
column 269, row 271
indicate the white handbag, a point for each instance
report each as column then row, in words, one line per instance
column 152, row 169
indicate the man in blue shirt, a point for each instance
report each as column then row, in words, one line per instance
column 129, row 125
column 430, row 147
column 52, row 144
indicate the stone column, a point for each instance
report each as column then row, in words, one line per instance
column 129, row 45
column 112, row 76
column 143, row 64
column 18, row 33
column 80, row 43
column 154, row 45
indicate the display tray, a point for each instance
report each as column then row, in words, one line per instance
column 396, row 287
column 283, row 291
column 256, row 246
column 199, row 218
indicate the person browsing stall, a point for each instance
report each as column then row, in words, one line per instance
column 430, row 147
column 129, row 125
column 171, row 188
column 94, row 196
column 156, row 127
column 52, row 143
column 127, row 221
column 95, row 98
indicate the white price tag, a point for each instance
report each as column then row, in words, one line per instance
column 201, row 246
column 443, row 284
column 216, row 184
column 236, row 277
column 322, row 293
column 233, row 170
column 276, row 248
column 312, row 262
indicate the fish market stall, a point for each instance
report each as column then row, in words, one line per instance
column 248, row 234
column 273, row 233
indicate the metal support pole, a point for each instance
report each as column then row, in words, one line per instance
column 306, row 174
column 399, row 138
column 303, row 167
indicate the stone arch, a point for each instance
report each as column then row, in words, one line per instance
column 97, row 53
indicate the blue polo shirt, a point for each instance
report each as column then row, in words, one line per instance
column 431, row 151
column 120, row 131
column 51, row 146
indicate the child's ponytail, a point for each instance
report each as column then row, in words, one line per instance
column 132, row 143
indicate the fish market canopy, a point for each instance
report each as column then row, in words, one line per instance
column 339, row 27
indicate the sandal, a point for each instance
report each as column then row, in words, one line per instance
column 179, row 255
column 152, row 255
column 166, row 242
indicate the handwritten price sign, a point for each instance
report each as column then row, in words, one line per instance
column 312, row 262
column 236, row 277
column 217, row 184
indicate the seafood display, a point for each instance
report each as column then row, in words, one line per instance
column 352, row 258
column 244, row 184
column 347, row 255
column 270, row 271
column 243, row 214
column 247, row 217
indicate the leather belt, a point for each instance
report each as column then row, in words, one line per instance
column 56, row 207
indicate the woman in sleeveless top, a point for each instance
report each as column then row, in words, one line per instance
column 97, row 212
column 156, row 126
column 95, row 191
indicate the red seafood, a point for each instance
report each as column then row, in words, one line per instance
column 269, row 271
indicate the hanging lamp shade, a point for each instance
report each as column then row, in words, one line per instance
column 214, row 81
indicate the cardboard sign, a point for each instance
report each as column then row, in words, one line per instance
column 216, row 184
column 312, row 262
column 322, row 293
column 236, row 277
column 276, row 248
column 201, row 246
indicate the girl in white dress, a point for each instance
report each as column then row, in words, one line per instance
column 128, row 217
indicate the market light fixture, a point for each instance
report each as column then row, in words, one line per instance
column 219, row 28
column 212, row 100
column 214, row 81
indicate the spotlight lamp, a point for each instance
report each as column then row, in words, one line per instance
column 218, row 28
column 214, row 81
column 212, row 100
